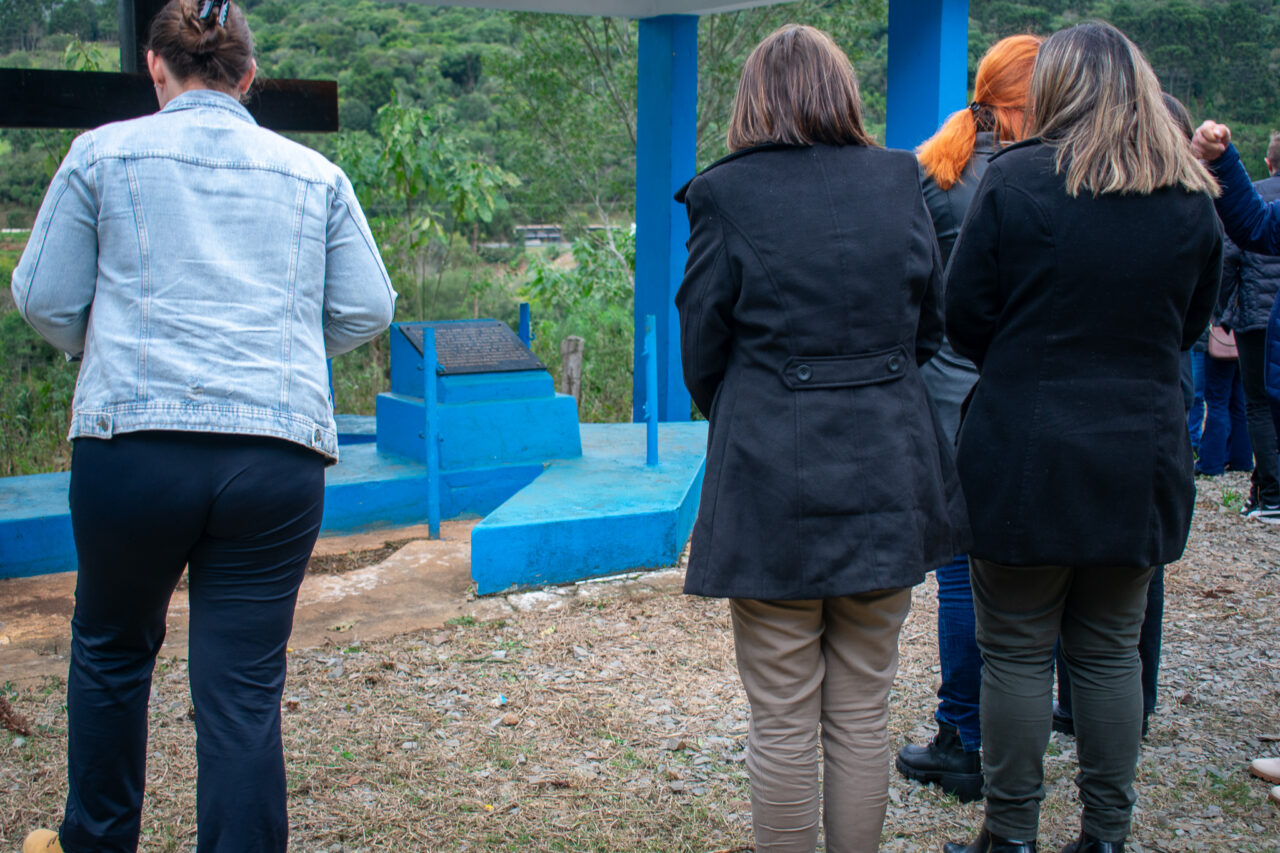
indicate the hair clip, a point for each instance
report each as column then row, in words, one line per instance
column 222, row 13
column 205, row 10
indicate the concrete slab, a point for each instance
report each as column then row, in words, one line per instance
column 599, row 514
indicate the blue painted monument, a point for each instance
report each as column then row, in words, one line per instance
column 472, row 426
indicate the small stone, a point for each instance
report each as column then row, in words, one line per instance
column 409, row 744
column 510, row 720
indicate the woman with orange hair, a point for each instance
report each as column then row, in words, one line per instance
column 952, row 163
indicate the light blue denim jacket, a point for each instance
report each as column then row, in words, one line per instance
column 204, row 267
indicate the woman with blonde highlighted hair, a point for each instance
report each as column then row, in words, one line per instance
column 810, row 297
column 952, row 164
column 1088, row 260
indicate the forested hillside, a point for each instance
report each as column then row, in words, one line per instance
column 458, row 124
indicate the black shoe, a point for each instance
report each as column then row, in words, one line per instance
column 943, row 762
column 989, row 842
column 1251, row 504
column 1086, row 843
column 1063, row 722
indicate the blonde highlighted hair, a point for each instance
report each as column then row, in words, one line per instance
column 999, row 105
column 797, row 88
column 1095, row 99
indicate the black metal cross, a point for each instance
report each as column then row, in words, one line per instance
column 83, row 99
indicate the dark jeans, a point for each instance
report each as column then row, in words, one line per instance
column 1148, row 650
column 961, row 688
column 1097, row 612
column 1195, row 414
column 1225, row 441
column 1252, row 347
column 242, row 513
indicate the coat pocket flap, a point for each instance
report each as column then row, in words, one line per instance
column 804, row 373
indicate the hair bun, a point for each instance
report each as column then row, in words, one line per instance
column 200, row 37
column 215, row 47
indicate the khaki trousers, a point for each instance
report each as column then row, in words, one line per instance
column 829, row 662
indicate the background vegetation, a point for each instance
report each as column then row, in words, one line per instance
column 458, row 124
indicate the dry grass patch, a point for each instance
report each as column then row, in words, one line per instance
column 612, row 719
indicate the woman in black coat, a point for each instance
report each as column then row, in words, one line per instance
column 810, row 297
column 1089, row 258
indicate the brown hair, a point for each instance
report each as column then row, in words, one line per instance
column 218, row 54
column 1181, row 117
column 1096, row 100
column 797, row 88
column 1273, row 149
column 999, row 105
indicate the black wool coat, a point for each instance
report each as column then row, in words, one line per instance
column 811, row 294
column 1074, row 448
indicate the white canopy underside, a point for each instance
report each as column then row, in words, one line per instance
column 616, row 8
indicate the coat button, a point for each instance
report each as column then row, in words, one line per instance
column 895, row 364
column 804, row 373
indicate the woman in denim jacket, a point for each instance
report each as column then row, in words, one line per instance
column 203, row 268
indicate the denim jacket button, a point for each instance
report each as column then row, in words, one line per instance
column 316, row 439
column 103, row 423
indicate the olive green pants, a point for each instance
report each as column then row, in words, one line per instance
column 1097, row 612
column 827, row 662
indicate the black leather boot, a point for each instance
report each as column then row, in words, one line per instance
column 1086, row 843
column 1063, row 722
column 943, row 762
column 989, row 842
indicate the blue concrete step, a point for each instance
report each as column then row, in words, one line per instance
column 35, row 525
column 369, row 490
column 598, row 514
column 356, row 429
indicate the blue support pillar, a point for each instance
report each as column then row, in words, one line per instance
column 526, row 325
column 666, row 156
column 651, row 389
column 431, row 409
column 928, row 67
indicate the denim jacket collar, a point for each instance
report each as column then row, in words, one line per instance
column 196, row 98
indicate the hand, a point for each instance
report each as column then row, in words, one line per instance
column 1210, row 140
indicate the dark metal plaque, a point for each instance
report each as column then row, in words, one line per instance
column 475, row 346
column 84, row 99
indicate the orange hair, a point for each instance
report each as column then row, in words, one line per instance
column 999, row 102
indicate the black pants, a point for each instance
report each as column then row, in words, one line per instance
column 1097, row 612
column 1252, row 347
column 1148, row 650
column 243, row 513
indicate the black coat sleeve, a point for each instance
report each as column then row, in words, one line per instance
column 1230, row 287
column 705, row 299
column 973, row 297
column 929, row 327
column 1205, row 296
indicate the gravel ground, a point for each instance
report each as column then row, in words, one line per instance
column 609, row 717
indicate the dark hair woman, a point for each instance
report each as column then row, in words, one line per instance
column 810, row 296
column 952, row 164
column 1089, row 259
column 204, row 268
